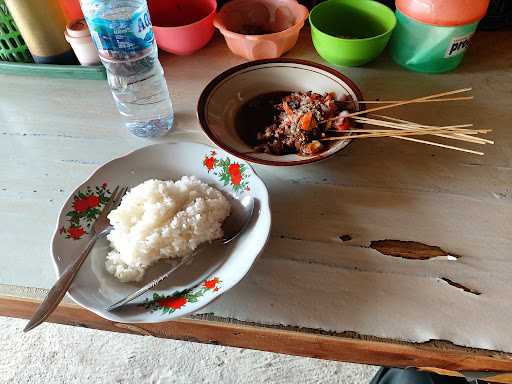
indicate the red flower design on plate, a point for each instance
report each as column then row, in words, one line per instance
column 234, row 172
column 170, row 304
column 81, row 205
column 211, row 284
column 209, row 163
column 228, row 172
column 93, row 201
column 76, row 232
column 173, row 302
column 84, row 211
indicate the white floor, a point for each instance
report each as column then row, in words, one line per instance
column 57, row 354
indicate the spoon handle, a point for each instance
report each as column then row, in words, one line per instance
column 152, row 283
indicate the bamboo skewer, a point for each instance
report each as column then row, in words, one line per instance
column 410, row 126
column 486, row 141
column 416, row 100
column 399, row 101
column 439, row 145
column 454, row 130
column 388, row 132
column 456, row 136
column 403, row 137
column 399, row 133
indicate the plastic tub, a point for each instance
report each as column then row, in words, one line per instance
column 432, row 35
column 261, row 29
column 182, row 26
column 351, row 32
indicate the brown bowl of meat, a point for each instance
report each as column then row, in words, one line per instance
column 279, row 112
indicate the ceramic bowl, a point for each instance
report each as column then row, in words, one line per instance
column 214, row 271
column 261, row 29
column 182, row 26
column 221, row 99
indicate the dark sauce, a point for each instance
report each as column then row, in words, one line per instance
column 257, row 114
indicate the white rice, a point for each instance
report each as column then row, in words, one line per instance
column 162, row 219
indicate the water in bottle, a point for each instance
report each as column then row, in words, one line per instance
column 122, row 32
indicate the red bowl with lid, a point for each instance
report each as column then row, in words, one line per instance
column 182, row 26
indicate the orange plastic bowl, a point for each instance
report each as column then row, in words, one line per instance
column 261, row 29
column 182, row 26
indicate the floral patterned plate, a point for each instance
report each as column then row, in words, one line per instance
column 213, row 272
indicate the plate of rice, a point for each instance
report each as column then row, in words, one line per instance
column 179, row 196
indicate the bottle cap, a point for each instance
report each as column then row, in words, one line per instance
column 445, row 13
column 77, row 28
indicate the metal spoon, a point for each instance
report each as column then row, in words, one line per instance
column 233, row 226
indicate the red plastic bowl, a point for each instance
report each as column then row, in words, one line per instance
column 182, row 26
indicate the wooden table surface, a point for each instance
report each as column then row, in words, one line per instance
column 343, row 277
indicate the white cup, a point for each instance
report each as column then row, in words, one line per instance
column 78, row 36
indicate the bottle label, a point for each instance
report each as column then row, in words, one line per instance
column 129, row 35
column 458, row 45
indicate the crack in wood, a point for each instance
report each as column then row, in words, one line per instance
column 351, row 268
column 460, row 286
column 379, row 187
column 289, row 237
column 133, row 328
column 37, row 134
column 438, row 344
column 81, row 162
column 411, row 250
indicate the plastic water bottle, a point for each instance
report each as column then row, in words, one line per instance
column 123, row 34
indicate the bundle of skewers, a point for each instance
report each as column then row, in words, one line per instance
column 408, row 130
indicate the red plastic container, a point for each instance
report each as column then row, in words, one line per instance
column 71, row 9
column 182, row 26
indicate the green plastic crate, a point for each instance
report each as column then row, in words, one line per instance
column 12, row 46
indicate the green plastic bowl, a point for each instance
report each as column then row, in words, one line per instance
column 351, row 32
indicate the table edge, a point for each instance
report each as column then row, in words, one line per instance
column 211, row 330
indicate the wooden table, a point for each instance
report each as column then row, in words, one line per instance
column 331, row 284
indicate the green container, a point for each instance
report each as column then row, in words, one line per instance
column 429, row 48
column 12, row 46
column 351, row 32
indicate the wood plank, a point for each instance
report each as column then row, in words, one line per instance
column 283, row 340
column 319, row 254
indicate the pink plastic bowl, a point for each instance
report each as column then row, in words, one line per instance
column 261, row 29
column 182, row 26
